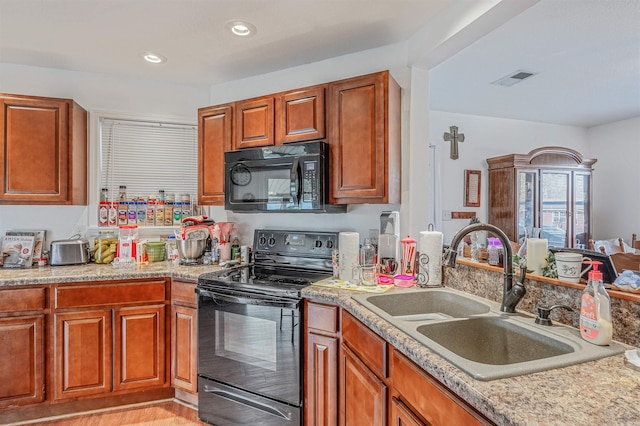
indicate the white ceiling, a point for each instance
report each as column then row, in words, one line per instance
column 587, row 52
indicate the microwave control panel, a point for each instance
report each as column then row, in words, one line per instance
column 310, row 184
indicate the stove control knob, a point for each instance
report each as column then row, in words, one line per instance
column 318, row 243
column 271, row 241
column 329, row 244
column 262, row 240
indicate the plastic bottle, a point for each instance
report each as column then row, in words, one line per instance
column 151, row 211
column 494, row 251
column 160, row 208
column 168, row 210
column 177, row 213
column 132, row 213
column 595, row 309
column 142, row 211
column 368, row 253
column 103, row 209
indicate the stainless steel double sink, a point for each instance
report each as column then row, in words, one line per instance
column 472, row 333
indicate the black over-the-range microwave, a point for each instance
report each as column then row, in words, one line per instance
column 281, row 178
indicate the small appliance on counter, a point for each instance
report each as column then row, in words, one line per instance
column 69, row 252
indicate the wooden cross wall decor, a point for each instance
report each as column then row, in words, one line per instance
column 454, row 137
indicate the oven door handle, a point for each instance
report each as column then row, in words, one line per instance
column 239, row 399
column 247, row 300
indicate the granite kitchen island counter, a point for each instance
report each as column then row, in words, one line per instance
column 597, row 392
column 93, row 272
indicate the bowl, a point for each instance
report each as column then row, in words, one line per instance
column 191, row 250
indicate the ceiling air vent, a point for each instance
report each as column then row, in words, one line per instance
column 513, row 78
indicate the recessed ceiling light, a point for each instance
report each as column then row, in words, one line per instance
column 241, row 28
column 154, row 58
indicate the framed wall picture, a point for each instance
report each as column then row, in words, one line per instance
column 472, row 188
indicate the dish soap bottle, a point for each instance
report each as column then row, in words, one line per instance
column 595, row 309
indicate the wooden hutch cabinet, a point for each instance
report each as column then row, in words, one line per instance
column 547, row 190
column 43, row 157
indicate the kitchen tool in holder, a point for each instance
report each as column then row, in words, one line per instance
column 408, row 265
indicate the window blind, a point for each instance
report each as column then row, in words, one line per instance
column 147, row 157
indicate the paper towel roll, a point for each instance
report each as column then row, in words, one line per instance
column 349, row 248
column 536, row 255
column 430, row 244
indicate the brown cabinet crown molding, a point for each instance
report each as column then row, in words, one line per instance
column 43, row 159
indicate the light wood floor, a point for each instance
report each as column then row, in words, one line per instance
column 165, row 413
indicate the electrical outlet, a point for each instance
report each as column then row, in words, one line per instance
column 446, row 214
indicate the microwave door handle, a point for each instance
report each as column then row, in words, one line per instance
column 295, row 181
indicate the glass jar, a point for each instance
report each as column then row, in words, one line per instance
column 106, row 245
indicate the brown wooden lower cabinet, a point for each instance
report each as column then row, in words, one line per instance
column 22, row 346
column 377, row 385
column 184, row 340
column 83, row 351
column 109, row 337
column 363, row 396
column 322, row 342
column 22, row 360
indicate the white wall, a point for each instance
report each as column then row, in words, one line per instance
column 91, row 91
column 486, row 137
column 616, row 183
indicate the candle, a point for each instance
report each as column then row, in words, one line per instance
column 536, row 255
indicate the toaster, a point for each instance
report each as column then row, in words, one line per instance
column 69, row 252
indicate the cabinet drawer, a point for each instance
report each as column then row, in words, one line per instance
column 370, row 347
column 184, row 292
column 109, row 294
column 24, row 299
column 431, row 400
column 322, row 318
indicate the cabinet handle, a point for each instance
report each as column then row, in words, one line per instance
column 239, row 399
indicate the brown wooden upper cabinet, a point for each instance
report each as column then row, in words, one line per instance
column 545, row 194
column 292, row 116
column 364, row 133
column 43, row 159
column 300, row 115
column 254, row 123
column 215, row 135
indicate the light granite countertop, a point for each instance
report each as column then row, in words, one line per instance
column 595, row 393
column 93, row 272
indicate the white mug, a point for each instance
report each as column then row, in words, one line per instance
column 569, row 266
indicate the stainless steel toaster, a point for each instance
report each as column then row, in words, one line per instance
column 69, row 252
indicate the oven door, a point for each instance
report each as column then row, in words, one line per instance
column 251, row 343
column 269, row 184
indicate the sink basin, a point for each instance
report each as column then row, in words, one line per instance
column 426, row 305
column 475, row 336
column 492, row 340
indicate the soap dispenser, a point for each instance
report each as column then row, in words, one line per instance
column 595, row 309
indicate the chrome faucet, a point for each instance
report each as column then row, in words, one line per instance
column 512, row 293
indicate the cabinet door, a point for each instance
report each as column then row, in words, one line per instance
column 581, row 210
column 254, row 123
column 364, row 137
column 139, row 355
column 363, row 397
column 401, row 415
column 184, row 349
column 34, row 157
column 321, row 380
column 44, row 151
column 300, row 115
column 83, row 353
column 215, row 135
column 555, row 205
column 22, row 354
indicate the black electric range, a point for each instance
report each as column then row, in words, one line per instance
column 250, row 330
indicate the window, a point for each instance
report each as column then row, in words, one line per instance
column 145, row 155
